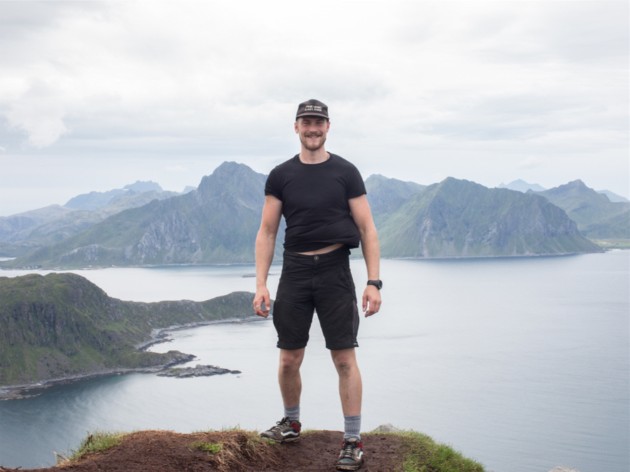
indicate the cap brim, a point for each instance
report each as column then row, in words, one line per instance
column 318, row 115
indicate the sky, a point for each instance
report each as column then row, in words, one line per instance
column 95, row 95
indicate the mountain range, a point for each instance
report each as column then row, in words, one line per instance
column 458, row 218
column 596, row 216
column 217, row 223
column 23, row 232
column 522, row 186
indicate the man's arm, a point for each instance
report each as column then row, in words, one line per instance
column 265, row 246
column 362, row 216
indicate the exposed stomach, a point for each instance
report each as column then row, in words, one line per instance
column 323, row 250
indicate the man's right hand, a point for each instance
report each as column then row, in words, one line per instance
column 262, row 302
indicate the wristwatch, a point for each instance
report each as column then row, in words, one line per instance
column 377, row 283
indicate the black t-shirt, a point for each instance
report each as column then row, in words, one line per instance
column 315, row 202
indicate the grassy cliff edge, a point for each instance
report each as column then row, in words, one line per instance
column 239, row 450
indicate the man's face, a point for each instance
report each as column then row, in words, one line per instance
column 312, row 131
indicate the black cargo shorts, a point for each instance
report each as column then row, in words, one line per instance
column 323, row 284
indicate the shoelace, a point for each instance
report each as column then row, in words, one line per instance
column 348, row 450
column 281, row 423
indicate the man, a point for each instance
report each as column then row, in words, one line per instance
column 323, row 200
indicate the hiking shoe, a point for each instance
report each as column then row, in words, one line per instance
column 351, row 455
column 285, row 430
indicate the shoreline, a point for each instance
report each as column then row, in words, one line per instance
column 158, row 336
column 161, row 335
column 620, row 244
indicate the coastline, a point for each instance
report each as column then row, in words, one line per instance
column 158, row 336
column 161, row 335
column 21, row 392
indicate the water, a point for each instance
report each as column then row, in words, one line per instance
column 521, row 364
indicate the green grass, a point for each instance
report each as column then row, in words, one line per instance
column 425, row 455
column 210, row 448
column 97, row 442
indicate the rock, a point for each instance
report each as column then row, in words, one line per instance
column 197, row 371
column 388, row 428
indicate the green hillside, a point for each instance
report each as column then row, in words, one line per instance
column 596, row 216
column 62, row 325
column 388, row 195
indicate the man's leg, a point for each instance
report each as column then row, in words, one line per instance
column 350, row 385
column 289, row 427
column 289, row 377
column 351, row 392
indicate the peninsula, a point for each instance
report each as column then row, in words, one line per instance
column 61, row 327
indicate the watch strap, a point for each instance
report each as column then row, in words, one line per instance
column 377, row 283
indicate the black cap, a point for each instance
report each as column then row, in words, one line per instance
column 312, row 107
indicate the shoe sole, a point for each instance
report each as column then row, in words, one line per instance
column 349, row 467
column 283, row 440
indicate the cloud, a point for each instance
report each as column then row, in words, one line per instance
column 39, row 112
column 531, row 162
column 196, row 68
column 421, row 85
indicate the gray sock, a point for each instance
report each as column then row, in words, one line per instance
column 293, row 413
column 352, row 427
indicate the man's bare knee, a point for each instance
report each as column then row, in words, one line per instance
column 345, row 361
column 291, row 360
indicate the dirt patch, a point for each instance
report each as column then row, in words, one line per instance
column 233, row 451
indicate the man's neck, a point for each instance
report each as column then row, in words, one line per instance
column 314, row 157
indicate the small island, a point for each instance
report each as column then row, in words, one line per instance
column 197, row 371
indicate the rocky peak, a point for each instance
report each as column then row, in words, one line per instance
column 233, row 180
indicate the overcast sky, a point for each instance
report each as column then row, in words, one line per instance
column 95, row 95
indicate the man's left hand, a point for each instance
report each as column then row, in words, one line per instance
column 371, row 300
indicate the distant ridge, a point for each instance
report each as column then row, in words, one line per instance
column 217, row 224
column 595, row 215
column 388, row 195
column 521, row 186
column 458, row 218
column 27, row 231
column 613, row 197
column 97, row 200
